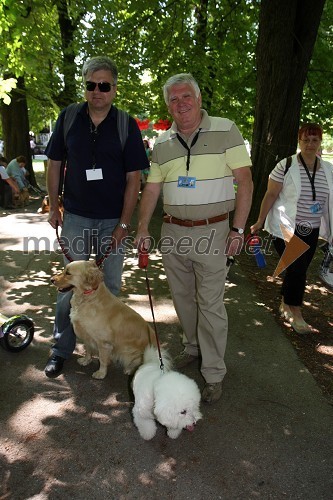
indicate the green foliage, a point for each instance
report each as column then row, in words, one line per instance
column 318, row 92
column 215, row 41
column 6, row 87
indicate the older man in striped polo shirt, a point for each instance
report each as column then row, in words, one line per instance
column 196, row 162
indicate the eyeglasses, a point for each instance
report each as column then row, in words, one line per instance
column 103, row 86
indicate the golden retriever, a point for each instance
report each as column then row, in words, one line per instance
column 105, row 324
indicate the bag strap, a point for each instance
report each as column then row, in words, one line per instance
column 70, row 115
column 122, row 125
column 288, row 164
column 122, row 121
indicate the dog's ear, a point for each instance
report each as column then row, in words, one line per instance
column 94, row 275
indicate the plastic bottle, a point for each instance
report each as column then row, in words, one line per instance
column 254, row 243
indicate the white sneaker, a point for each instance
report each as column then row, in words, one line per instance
column 326, row 276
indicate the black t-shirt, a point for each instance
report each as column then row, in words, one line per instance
column 102, row 197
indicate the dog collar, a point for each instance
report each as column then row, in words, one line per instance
column 88, row 292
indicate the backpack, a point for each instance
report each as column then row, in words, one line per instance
column 70, row 114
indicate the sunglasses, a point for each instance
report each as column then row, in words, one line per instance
column 103, row 86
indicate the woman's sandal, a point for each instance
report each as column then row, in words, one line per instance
column 301, row 327
column 285, row 311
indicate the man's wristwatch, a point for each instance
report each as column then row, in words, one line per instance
column 124, row 226
column 238, row 230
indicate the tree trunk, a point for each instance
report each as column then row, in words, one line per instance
column 287, row 34
column 67, row 29
column 15, row 126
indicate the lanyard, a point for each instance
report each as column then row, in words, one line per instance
column 311, row 177
column 188, row 149
column 93, row 135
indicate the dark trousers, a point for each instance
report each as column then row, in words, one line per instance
column 6, row 194
column 294, row 280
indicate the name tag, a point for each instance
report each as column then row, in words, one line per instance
column 94, row 174
column 186, row 182
column 315, row 208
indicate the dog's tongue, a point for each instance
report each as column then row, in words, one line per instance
column 190, row 427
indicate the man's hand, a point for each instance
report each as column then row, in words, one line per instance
column 55, row 217
column 119, row 233
column 235, row 242
column 142, row 240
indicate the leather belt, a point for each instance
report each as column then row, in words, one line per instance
column 191, row 223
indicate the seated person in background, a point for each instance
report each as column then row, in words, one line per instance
column 16, row 169
column 8, row 186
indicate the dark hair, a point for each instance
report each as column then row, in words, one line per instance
column 98, row 63
column 21, row 159
column 310, row 129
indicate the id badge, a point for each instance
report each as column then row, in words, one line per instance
column 186, row 182
column 315, row 208
column 94, row 174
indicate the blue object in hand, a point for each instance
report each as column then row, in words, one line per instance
column 256, row 250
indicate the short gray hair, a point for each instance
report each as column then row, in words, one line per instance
column 100, row 62
column 177, row 80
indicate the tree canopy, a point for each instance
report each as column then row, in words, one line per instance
column 46, row 42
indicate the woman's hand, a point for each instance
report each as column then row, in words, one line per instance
column 256, row 226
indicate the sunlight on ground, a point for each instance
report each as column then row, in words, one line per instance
column 163, row 308
column 325, row 349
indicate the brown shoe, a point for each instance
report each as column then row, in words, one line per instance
column 183, row 359
column 211, row 392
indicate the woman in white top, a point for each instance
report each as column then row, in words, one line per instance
column 299, row 202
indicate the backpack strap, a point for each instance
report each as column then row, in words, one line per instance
column 122, row 125
column 70, row 115
column 122, row 121
column 288, row 164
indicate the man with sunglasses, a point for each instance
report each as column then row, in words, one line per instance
column 100, row 191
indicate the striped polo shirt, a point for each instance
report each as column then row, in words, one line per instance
column 218, row 150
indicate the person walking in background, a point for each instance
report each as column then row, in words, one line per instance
column 100, row 190
column 299, row 198
column 196, row 161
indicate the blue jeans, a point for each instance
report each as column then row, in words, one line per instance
column 83, row 237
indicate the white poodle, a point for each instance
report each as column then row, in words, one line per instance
column 167, row 396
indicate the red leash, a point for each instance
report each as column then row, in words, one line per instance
column 143, row 264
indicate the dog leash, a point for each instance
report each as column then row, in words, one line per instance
column 66, row 253
column 143, row 264
column 64, row 250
